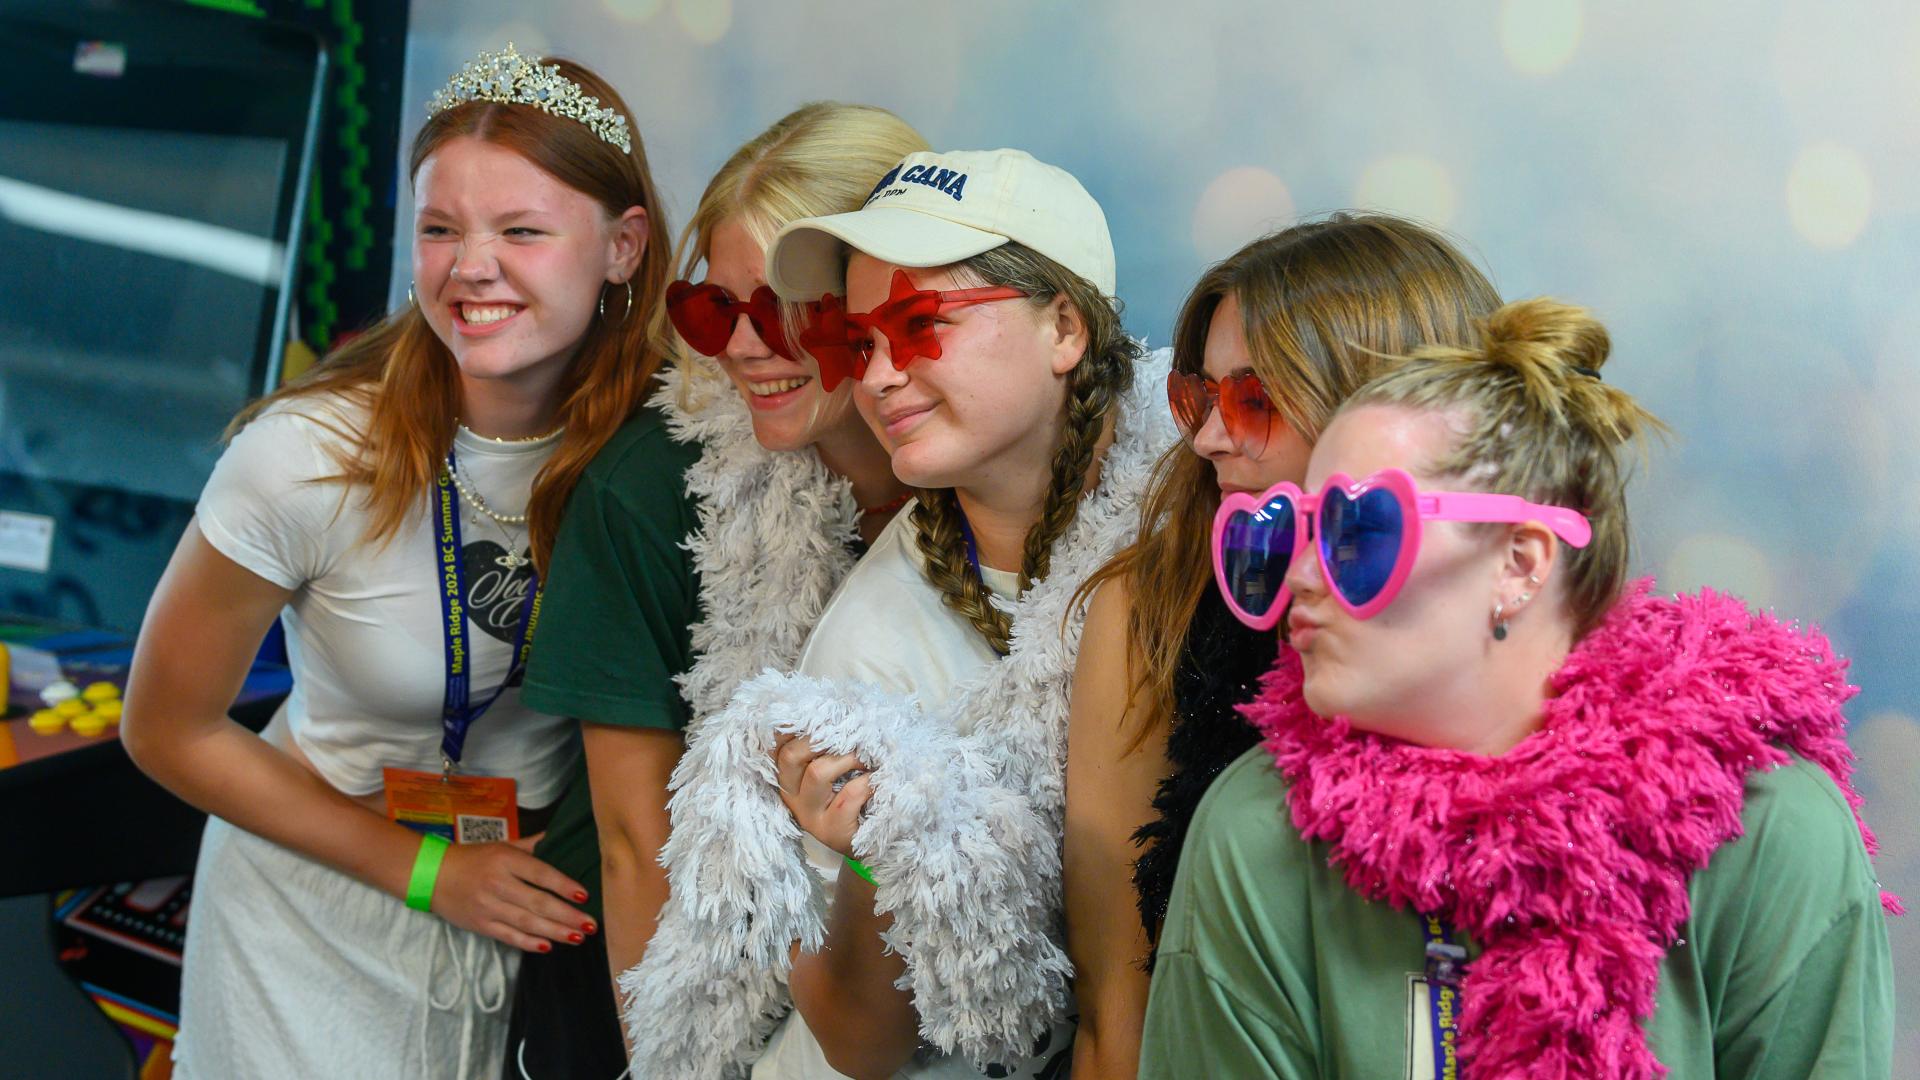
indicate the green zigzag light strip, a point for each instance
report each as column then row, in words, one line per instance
column 350, row 115
column 319, row 272
column 353, row 123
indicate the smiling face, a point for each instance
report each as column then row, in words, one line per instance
column 1431, row 643
column 1285, row 455
column 985, row 415
column 508, row 262
column 789, row 408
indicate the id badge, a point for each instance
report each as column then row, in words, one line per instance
column 1433, row 1042
column 463, row 809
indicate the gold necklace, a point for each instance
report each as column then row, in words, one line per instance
column 504, row 442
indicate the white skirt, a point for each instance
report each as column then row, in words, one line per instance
column 294, row 969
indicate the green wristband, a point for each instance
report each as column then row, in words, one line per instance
column 426, row 870
column 860, row 868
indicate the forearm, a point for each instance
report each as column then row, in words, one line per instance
column 1104, row 939
column 229, row 772
column 1107, row 1040
column 864, row 1023
column 627, row 770
column 633, row 888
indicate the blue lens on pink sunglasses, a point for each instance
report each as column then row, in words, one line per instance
column 1255, row 549
column 1360, row 541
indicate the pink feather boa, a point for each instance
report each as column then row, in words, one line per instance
column 1567, row 859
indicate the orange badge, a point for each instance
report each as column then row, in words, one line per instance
column 464, row 809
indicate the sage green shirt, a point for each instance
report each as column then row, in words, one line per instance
column 620, row 598
column 1270, row 966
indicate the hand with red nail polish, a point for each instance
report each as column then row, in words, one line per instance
column 504, row 891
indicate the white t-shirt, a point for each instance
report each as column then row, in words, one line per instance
column 364, row 633
column 888, row 626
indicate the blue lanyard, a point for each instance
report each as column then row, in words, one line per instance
column 1446, row 963
column 456, row 715
column 966, row 536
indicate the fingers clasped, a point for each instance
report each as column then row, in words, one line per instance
column 824, row 792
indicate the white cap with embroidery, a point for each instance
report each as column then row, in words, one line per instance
column 933, row 209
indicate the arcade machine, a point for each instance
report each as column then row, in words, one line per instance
column 195, row 198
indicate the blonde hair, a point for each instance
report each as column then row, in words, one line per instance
column 1538, row 422
column 1094, row 388
column 820, row 159
column 1322, row 303
column 405, row 377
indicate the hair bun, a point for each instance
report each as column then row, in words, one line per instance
column 1545, row 332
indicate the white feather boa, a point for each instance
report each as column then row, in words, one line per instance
column 963, row 831
column 775, row 538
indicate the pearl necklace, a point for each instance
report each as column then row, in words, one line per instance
column 479, row 504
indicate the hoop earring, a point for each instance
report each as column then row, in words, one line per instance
column 1499, row 622
column 628, row 310
column 411, row 302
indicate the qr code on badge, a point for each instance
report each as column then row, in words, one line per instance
column 473, row 829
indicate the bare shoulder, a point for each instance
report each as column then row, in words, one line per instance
column 1104, row 718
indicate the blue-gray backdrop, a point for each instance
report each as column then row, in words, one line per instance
column 1729, row 183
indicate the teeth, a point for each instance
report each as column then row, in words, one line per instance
column 777, row 386
column 480, row 316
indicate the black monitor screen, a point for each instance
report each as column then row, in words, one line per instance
column 139, row 267
column 155, row 160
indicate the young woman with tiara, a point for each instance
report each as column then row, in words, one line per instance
column 396, row 509
column 1268, row 344
column 920, row 746
column 700, row 547
column 1513, row 816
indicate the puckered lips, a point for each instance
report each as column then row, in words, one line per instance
column 1302, row 628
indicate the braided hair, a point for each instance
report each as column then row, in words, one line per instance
column 1094, row 388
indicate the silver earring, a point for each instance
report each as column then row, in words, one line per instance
column 1499, row 622
column 411, row 302
column 624, row 313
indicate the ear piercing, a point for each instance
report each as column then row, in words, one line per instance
column 1500, row 609
column 624, row 312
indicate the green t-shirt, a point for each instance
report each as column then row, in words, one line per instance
column 615, row 621
column 1270, row 966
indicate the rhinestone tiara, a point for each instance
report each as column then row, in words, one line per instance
column 511, row 79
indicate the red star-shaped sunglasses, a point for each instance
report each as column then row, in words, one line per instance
column 839, row 340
